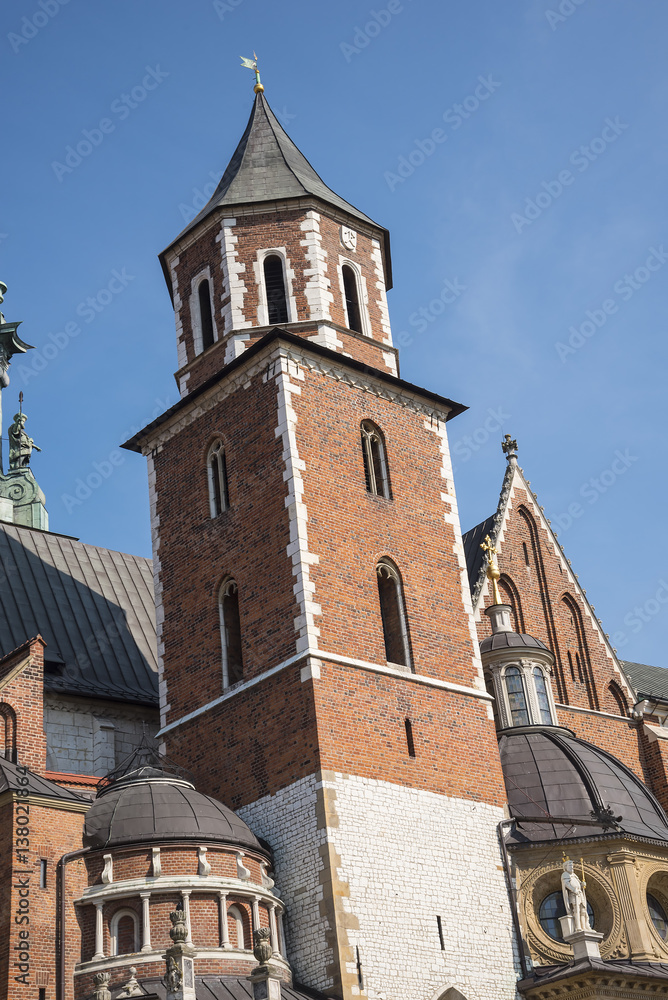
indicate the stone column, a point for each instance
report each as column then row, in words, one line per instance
column 222, row 914
column 273, row 929
column 99, row 932
column 185, row 893
column 623, row 866
column 145, row 922
column 281, row 934
column 255, row 906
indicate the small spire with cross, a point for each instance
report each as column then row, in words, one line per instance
column 509, row 446
column 493, row 571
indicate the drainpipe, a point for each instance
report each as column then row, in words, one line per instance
column 61, row 912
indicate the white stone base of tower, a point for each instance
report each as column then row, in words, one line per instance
column 382, row 863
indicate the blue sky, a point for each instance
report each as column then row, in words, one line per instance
column 539, row 198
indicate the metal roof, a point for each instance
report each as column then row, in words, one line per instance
column 267, row 167
column 547, row 974
column 9, row 782
column 474, row 555
column 651, row 682
column 225, row 988
column 93, row 607
column 548, row 771
column 505, row 640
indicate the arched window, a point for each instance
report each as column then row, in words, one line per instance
column 393, row 614
column 7, row 732
column 274, row 284
column 517, row 701
column 620, row 700
column 205, row 315
column 123, row 931
column 375, row 461
column 542, row 698
column 237, row 935
column 551, row 909
column 217, row 473
column 657, row 915
column 230, row 633
column 350, row 289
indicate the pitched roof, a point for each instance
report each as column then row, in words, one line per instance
column 93, row 607
column 649, row 681
column 474, row 555
column 267, row 166
column 11, row 780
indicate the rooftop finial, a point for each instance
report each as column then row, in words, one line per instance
column 252, row 64
column 493, row 571
column 509, row 446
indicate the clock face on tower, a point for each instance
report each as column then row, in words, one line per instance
column 348, row 238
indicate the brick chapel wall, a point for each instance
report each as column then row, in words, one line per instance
column 52, row 833
column 21, row 704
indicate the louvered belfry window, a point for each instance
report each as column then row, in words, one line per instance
column 274, row 283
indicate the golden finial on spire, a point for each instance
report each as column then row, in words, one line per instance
column 493, row 571
column 252, row 64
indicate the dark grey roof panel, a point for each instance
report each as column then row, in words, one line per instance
column 226, row 988
column 9, row 782
column 162, row 809
column 649, row 681
column 267, row 166
column 473, row 554
column 93, row 607
column 503, row 640
column 621, row 967
column 549, row 771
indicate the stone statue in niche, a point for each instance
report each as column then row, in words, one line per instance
column 20, row 444
column 575, row 899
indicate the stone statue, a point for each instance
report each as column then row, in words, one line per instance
column 101, row 981
column 20, row 444
column 575, row 899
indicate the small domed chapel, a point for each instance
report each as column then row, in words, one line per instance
column 323, row 744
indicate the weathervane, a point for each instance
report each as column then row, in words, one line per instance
column 252, row 64
column 493, row 571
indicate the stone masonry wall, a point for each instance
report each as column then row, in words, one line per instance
column 92, row 737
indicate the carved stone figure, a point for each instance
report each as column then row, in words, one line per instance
column 575, row 899
column 20, row 444
column 173, row 977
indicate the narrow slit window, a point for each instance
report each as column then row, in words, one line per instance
column 217, row 472
column 526, row 553
column 393, row 615
column 274, row 283
column 375, row 461
column 439, row 924
column 517, row 697
column 410, row 742
column 230, row 633
column 42, row 873
column 352, row 299
column 206, row 318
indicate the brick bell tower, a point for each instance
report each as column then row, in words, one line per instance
column 320, row 666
